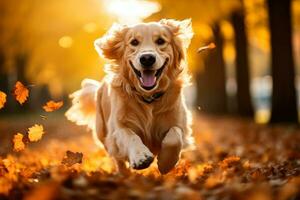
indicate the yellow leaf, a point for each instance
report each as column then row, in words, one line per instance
column 21, row 92
column 35, row 133
column 52, row 106
column 18, row 142
column 2, row 99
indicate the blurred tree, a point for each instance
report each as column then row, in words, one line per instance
column 43, row 42
column 284, row 103
column 209, row 77
column 244, row 104
column 3, row 76
column 212, row 81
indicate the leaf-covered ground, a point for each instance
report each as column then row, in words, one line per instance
column 234, row 159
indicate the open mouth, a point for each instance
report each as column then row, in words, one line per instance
column 148, row 77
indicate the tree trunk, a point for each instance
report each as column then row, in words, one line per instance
column 244, row 103
column 211, row 84
column 284, row 101
column 3, row 74
column 4, row 84
column 19, row 74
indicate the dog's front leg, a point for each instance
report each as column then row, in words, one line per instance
column 170, row 150
column 130, row 146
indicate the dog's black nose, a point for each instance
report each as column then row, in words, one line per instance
column 147, row 60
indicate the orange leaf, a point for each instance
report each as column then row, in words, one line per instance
column 21, row 92
column 35, row 133
column 18, row 142
column 52, row 106
column 210, row 46
column 2, row 99
column 229, row 162
column 213, row 182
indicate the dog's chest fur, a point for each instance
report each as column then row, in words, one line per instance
column 151, row 121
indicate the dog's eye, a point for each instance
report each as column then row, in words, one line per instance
column 134, row 42
column 160, row 41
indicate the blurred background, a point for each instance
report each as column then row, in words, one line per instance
column 253, row 72
column 249, row 81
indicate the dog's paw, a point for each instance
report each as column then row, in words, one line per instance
column 141, row 159
column 143, row 163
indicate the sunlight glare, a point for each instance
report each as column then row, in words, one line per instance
column 131, row 11
column 90, row 27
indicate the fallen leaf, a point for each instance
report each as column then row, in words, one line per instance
column 199, row 171
column 229, row 162
column 35, row 133
column 72, row 158
column 246, row 165
column 290, row 189
column 3, row 169
column 45, row 191
column 52, row 106
column 18, row 142
column 5, row 185
column 213, row 182
column 2, row 99
column 21, row 92
column 257, row 175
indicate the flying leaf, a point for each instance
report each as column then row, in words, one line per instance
column 52, row 106
column 43, row 117
column 18, row 142
column 210, row 46
column 35, row 133
column 72, row 158
column 2, row 99
column 21, row 92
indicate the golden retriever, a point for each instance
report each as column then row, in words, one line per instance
column 138, row 110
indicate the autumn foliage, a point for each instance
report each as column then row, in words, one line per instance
column 18, row 142
column 35, row 133
column 2, row 99
column 233, row 160
column 44, row 157
column 21, row 92
column 52, row 106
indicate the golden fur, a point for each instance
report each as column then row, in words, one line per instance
column 131, row 129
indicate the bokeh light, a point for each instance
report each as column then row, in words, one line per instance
column 65, row 42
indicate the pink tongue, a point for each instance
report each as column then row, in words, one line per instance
column 148, row 79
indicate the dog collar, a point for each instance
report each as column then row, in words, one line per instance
column 152, row 98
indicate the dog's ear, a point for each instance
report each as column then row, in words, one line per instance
column 182, row 34
column 111, row 45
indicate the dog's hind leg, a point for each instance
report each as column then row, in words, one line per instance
column 170, row 150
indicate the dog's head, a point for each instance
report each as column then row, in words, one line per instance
column 147, row 54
